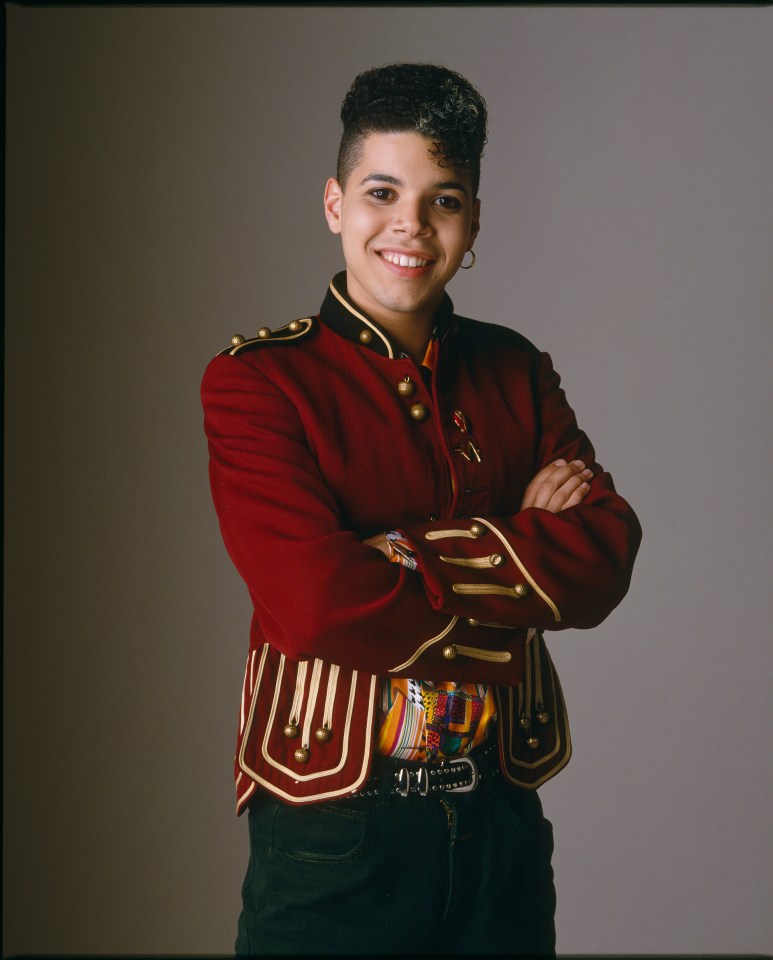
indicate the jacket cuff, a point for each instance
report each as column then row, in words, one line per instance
column 472, row 569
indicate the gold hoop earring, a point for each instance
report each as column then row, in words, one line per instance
column 472, row 262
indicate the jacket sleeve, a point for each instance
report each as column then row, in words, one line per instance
column 318, row 591
column 537, row 568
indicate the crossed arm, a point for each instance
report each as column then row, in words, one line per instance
column 556, row 487
column 321, row 591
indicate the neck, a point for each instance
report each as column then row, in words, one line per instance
column 410, row 336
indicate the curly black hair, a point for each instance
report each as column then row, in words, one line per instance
column 431, row 100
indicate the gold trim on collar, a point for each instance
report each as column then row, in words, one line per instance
column 364, row 319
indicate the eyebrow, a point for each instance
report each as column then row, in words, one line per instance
column 386, row 178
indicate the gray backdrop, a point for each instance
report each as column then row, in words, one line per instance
column 165, row 172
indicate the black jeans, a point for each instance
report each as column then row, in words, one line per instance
column 465, row 873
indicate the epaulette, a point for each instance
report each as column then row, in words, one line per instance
column 293, row 331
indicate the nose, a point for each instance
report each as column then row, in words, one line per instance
column 412, row 217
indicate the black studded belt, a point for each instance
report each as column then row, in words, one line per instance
column 410, row 778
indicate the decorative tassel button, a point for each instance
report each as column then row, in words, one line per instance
column 302, row 755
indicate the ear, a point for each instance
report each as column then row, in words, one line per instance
column 475, row 224
column 333, row 197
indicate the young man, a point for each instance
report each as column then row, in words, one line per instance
column 410, row 502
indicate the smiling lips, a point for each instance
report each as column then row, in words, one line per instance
column 404, row 259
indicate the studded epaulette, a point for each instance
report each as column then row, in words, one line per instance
column 292, row 331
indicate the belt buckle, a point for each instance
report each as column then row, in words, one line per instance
column 468, row 788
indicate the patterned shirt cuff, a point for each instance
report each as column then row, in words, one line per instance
column 401, row 550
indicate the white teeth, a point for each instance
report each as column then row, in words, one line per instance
column 401, row 260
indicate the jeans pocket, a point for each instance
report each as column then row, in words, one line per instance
column 522, row 809
column 321, row 833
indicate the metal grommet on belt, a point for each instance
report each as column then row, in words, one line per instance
column 404, row 778
column 403, row 782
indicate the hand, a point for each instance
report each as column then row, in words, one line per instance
column 557, row 486
column 380, row 543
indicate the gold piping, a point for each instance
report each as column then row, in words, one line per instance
column 276, row 336
column 471, row 562
column 311, row 702
column 425, row 646
column 329, row 794
column 549, row 756
column 294, row 774
column 330, row 696
column 240, row 801
column 252, row 671
column 493, row 656
column 300, row 681
column 364, row 319
column 527, row 685
column 492, row 588
column 537, row 588
column 443, row 534
column 538, row 702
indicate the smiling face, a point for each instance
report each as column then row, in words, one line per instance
column 405, row 224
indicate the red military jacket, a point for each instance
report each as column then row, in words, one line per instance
column 322, row 434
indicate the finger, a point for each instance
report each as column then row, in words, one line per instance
column 567, row 489
column 534, row 484
column 551, row 485
column 578, row 496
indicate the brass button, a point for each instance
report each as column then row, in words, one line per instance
column 291, row 730
column 521, row 590
column 365, row 336
column 449, row 652
column 525, row 722
column 477, row 529
column 419, row 412
column 496, row 559
column 302, row 755
column 264, row 333
column 295, row 326
column 473, row 622
column 543, row 716
column 406, row 387
column 237, row 340
column 323, row 734
column 532, row 743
